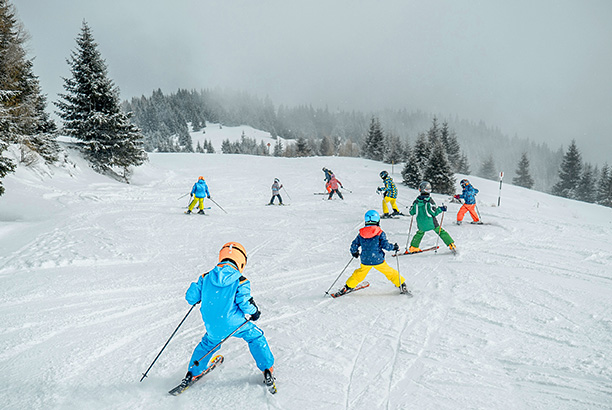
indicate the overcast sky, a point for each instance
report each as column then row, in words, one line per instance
column 539, row 69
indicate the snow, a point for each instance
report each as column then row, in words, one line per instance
column 94, row 272
column 217, row 133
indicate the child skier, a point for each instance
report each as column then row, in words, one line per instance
column 372, row 241
column 389, row 192
column 426, row 211
column 199, row 192
column 334, row 186
column 226, row 298
column 328, row 175
column 469, row 198
column 276, row 187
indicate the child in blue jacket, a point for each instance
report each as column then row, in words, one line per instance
column 372, row 241
column 199, row 192
column 226, row 298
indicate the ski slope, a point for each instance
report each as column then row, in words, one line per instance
column 93, row 275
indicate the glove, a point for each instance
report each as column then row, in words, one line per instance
column 379, row 189
column 443, row 208
column 355, row 254
column 396, row 247
column 255, row 315
column 457, row 197
column 208, row 197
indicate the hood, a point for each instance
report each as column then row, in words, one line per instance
column 224, row 274
column 371, row 231
column 201, row 182
column 424, row 197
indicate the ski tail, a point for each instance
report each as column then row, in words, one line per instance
column 188, row 381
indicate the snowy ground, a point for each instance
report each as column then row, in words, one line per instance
column 94, row 272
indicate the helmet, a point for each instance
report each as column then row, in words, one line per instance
column 201, row 178
column 384, row 174
column 425, row 187
column 372, row 217
column 276, row 180
column 324, row 169
column 234, row 252
column 464, row 183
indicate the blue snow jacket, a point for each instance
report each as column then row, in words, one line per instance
column 372, row 240
column 226, row 297
column 469, row 194
column 200, row 189
column 390, row 190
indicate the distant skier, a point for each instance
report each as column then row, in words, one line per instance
column 469, row 198
column 328, row 175
column 225, row 297
column 389, row 192
column 334, row 186
column 373, row 242
column 199, row 192
column 426, row 211
column 276, row 187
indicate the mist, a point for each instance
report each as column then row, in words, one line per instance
column 537, row 70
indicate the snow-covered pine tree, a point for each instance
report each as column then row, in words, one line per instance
column 184, row 140
column 569, row 173
column 374, row 144
column 453, row 150
column 434, row 133
column 92, row 113
column 394, row 152
column 487, row 169
column 438, row 171
column 523, row 178
column 326, row 149
column 278, row 148
column 411, row 173
column 209, row 147
column 604, row 187
column 301, row 148
column 422, row 152
column 463, row 166
column 587, row 187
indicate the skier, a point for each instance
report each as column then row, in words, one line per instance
column 334, row 186
column 328, row 176
column 389, row 192
column 372, row 241
column 226, row 298
column 276, row 187
column 426, row 211
column 469, row 198
column 199, row 192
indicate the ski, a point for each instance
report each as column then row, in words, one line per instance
column 320, row 193
column 362, row 285
column 185, row 384
column 433, row 248
column 390, row 217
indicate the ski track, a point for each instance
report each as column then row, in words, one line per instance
column 91, row 295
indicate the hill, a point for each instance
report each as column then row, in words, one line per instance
column 94, row 273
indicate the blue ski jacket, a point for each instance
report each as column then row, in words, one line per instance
column 226, row 297
column 200, row 189
column 469, row 195
column 390, row 190
column 372, row 240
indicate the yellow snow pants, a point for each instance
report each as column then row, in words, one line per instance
column 391, row 201
column 196, row 200
column 362, row 271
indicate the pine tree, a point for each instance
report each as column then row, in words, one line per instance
column 523, row 178
column 302, row 149
column 569, row 173
column 411, row 173
column 604, row 187
column 587, row 187
column 422, row 152
column 453, row 150
column 463, row 166
column 434, row 133
column 487, row 170
column 278, row 148
column 326, row 149
column 91, row 111
column 438, row 171
column 374, row 146
column 393, row 150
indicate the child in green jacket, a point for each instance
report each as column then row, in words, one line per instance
column 426, row 211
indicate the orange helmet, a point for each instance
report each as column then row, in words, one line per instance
column 234, row 252
column 201, row 178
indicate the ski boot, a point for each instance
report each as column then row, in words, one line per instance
column 269, row 380
column 385, row 215
column 342, row 291
column 396, row 212
column 453, row 248
column 201, row 212
column 414, row 249
column 459, row 222
column 188, row 211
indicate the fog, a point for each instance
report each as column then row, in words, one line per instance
column 536, row 69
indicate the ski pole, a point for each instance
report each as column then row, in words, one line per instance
column 332, row 285
column 439, row 230
column 197, row 362
column 409, row 230
column 478, row 212
column 160, row 352
column 182, row 196
column 346, row 189
column 288, row 196
column 399, row 276
column 218, row 205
